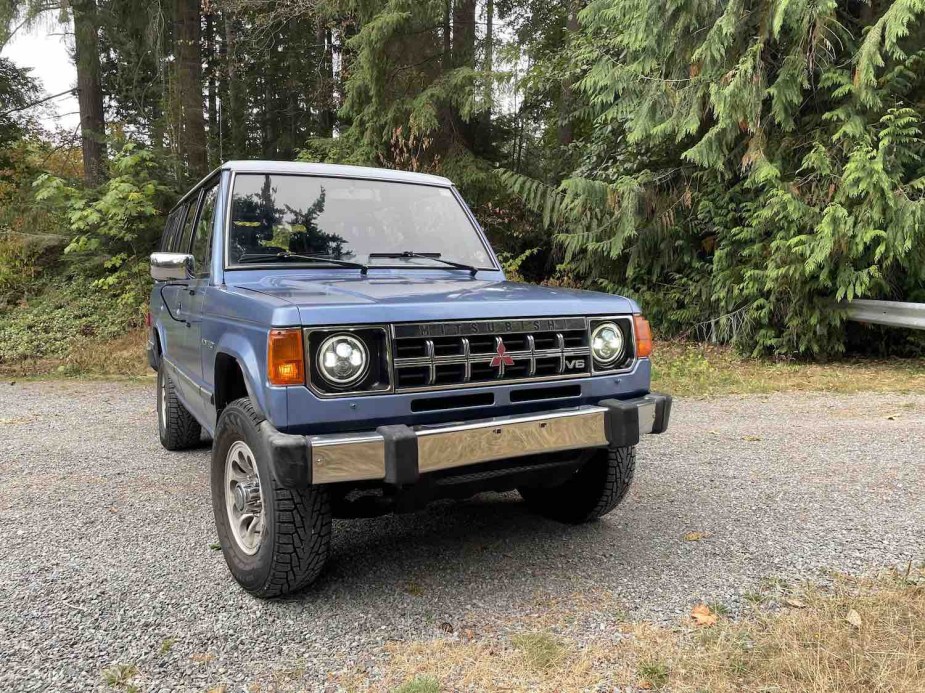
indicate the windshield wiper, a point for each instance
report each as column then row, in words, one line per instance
column 428, row 256
column 261, row 257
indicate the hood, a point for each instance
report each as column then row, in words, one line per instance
column 330, row 300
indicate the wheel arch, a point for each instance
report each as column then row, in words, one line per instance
column 232, row 382
column 155, row 346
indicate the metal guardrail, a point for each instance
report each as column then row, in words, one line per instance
column 892, row 313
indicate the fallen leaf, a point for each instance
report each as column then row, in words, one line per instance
column 215, row 547
column 854, row 618
column 202, row 657
column 468, row 634
column 703, row 615
column 751, row 439
column 644, row 685
column 695, row 536
column 713, row 433
column 794, row 603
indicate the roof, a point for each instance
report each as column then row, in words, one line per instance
column 313, row 169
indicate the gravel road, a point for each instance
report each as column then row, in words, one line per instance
column 105, row 551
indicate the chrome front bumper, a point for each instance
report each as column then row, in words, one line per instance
column 400, row 454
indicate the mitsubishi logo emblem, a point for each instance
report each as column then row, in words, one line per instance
column 501, row 358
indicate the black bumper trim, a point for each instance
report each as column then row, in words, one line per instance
column 401, row 454
column 622, row 420
column 621, row 423
column 662, row 413
column 290, row 457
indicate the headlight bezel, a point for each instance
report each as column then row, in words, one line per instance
column 607, row 363
column 376, row 377
column 627, row 355
column 355, row 343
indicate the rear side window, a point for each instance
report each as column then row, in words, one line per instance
column 186, row 234
column 202, row 241
column 170, row 229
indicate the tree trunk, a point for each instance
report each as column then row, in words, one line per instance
column 212, row 87
column 447, row 36
column 566, row 131
column 237, row 135
column 89, row 90
column 463, row 56
column 325, row 86
column 489, row 35
column 189, row 82
column 485, row 116
column 464, row 33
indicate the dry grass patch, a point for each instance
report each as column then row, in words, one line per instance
column 853, row 636
column 540, row 651
column 684, row 368
column 532, row 664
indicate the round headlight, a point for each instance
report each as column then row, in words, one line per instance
column 607, row 344
column 342, row 359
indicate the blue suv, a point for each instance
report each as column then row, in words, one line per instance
column 348, row 340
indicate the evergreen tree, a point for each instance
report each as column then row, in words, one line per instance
column 750, row 164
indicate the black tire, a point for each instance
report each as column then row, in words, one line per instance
column 296, row 535
column 594, row 490
column 177, row 427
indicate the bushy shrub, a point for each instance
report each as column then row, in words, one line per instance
column 69, row 310
column 115, row 227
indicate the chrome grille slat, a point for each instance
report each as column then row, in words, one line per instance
column 486, row 358
column 432, row 372
column 531, row 341
column 467, row 370
column 467, row 354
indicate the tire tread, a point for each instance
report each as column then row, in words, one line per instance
column 302, row 527
column 595, row 490
column 181, row 430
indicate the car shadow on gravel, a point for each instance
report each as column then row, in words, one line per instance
column 449, row 542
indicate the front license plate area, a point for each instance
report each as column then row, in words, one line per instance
column 489, row 441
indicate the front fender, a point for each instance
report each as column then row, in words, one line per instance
column 269, row 402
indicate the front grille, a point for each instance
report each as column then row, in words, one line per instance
column 455, row 354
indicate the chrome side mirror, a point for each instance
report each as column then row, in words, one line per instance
column 167, row 267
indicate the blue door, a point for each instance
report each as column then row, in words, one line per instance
column 200, row 281
column 177, row 297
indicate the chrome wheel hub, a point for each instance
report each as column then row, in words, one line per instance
column 243, row 497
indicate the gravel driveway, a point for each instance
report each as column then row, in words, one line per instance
column 106, row 557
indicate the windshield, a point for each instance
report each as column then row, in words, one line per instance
column 278, row 218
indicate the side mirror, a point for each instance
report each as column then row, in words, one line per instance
column 167, row 267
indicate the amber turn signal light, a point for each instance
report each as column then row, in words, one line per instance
column 643, row 336
column 285, row 358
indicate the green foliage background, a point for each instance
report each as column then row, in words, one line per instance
column 735, row 166
column 747, row 165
